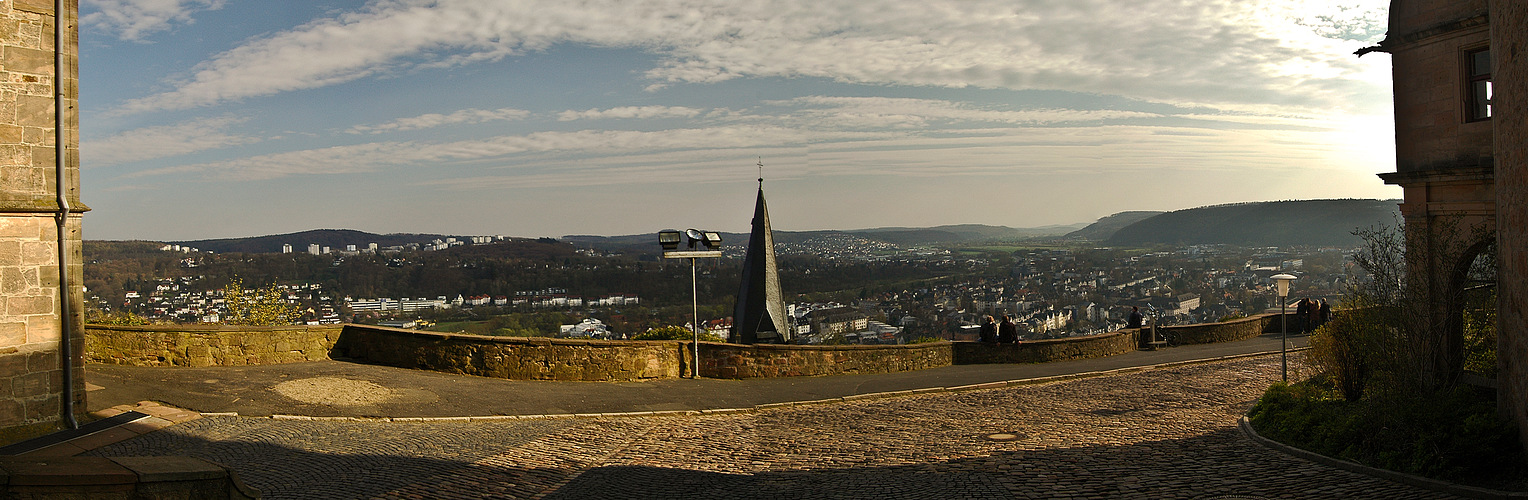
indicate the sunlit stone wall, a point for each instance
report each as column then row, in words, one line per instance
column 31, row 319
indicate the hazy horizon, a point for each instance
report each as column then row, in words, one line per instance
column 205, row 119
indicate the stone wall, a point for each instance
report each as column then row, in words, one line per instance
column 1229, row 331
column 520, row 358
column 515, row 358
column 1041, row 351
column 32, row 316
column 1509, row 37
column 766, row 360
column 210, row 345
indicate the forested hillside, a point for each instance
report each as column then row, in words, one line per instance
column 1279, row 223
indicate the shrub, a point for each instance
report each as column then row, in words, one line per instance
column 675, row 333
column 1453, row 435
column 923, row 340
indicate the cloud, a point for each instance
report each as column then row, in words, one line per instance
column 1230, row 53
column 163, row 142
column 639, row 112
column 431, row 120
column 132, row 19
column 905, row 113
column 372, row 157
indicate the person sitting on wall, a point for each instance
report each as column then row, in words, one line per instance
column 988, row 330
column 1134, row 321
column 1007, row 332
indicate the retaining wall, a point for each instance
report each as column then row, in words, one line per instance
column 520, row 358
column 208, row 345
column 516, row 358
column 1229, row 331
column 1041, row 351
column 762, row 361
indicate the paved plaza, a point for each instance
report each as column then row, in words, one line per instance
column 1160, row 433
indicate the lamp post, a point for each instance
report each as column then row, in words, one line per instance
column 1283, row 284
column 670, row 239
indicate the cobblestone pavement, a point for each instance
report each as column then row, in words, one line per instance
column 1165, row 433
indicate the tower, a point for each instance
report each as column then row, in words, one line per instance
column 759, row 316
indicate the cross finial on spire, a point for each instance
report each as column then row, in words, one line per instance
column 761, row 171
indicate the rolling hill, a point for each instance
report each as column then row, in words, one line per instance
column 1278, row 223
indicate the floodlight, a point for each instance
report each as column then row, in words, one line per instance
column 713, row 239
column 669, row 238
column 694, row 236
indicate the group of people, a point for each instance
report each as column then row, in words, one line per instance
column 1003, row 333
column 1310, row 314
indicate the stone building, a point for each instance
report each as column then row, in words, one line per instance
column 1459, row 78
column 41, row 334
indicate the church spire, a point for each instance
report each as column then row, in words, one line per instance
column 759, row 315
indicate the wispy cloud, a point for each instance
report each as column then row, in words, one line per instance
column 1216, row 52
column 639, row 112
column 163, row 142
column 883, row 112
column 375, row 156
column 132, row 19
column 431, row 120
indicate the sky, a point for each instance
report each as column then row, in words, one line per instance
column 219, row 119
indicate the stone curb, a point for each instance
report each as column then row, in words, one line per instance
column 1388, row 475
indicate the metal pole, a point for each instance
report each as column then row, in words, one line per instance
column 695, row 313
column 1284, row 338
column 61, row 143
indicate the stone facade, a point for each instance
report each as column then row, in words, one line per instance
column 212, row 345
column 1444, row 161
column 32, row 316
column 1509, row 32
column 763, row 360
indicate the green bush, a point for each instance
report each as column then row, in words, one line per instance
column 1453, row 435
column 923, row 340
column 675, row 333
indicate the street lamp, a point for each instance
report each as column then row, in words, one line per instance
column 1283, row 283
column 711, row 240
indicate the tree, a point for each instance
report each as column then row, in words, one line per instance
column 264, row 307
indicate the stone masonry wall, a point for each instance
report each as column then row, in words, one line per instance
column 212, row 345
column 1229, row 331
column 1509, row 42
column 31, row 317
column 515, row 358
column 765, row 360
column 1042, row 351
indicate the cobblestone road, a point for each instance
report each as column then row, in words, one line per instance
column 1166, row 433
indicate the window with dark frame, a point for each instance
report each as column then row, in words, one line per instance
column 1479, row 91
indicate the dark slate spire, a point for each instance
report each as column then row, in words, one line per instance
column 760, row 312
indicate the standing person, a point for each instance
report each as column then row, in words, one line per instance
column 1326, row 311
column 1314, row 321
column 1134, row 321
column 988, row 330
column 1302, row 314
column 1007, row 333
